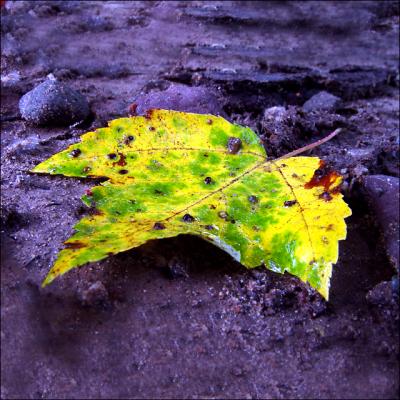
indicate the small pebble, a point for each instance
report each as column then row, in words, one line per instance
column 322, row 101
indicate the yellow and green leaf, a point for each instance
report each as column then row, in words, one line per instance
column 172, row 173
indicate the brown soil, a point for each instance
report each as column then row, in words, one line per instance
column 178, row 318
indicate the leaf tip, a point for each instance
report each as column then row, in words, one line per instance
column 49, row 278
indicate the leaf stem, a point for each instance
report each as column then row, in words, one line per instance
column 310, row 146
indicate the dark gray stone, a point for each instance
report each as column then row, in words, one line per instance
column 180, row 97
column 382, row 193
column 52, row 103
column 322, row 101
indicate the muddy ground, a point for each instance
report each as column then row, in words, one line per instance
column 179, row 318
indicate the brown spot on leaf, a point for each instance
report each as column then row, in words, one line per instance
column 209, row 121
column 86, row 170
column 290, row 203
column 149, row 113
column 234, row 145
column 325, row 196
column 158, row 226
column 75, row 153
column 95, row 211
column 74, row 245
column 324, row 177
column 129, row 139
column 123, row 171
column 122, row 160
column 151, row 128
column 132, row 109
column 187, row 218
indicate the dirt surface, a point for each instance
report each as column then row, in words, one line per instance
column 178, row 318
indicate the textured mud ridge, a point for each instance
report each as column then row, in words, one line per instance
column 178, row 318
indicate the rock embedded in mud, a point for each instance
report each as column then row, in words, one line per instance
column 177, row 269
column 95, row 294
column 23, row 147
column 277, row 113
column 382, row 193
column 322, row 101
column 178, row 97
column 52, row 103
column 381, row 295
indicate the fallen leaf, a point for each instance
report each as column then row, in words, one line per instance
column 172, row 173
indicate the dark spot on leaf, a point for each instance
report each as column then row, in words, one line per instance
column 295, row 176
column 234, row 145
column 158, row 192
column 158, row 226
column 283, row 165
column 325, row 196
column 151, row 128
column 205, row 154
column 187, row 218
column 132, row 109
column 324, row 177
column 123, row 171
column 149, row 113
column 95, row 211
column 75, row 153
column 74, row 245
column 86, row 169
column 88, row 192
column 290, row 203
column 112, row 156
column 122, row 160
column 209, row 121
column 208, row 180
column 213, row 207
column 129, row 139
column 253, row 199
column 223, row 215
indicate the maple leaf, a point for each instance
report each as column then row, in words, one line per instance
column 172, row 173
